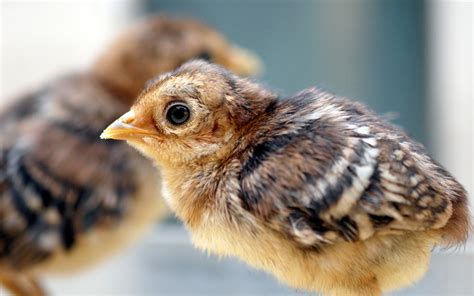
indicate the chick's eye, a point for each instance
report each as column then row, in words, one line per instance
column 178, row 113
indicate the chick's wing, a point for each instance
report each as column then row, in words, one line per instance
column 340, row 178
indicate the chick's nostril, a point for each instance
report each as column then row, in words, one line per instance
column 128, row 117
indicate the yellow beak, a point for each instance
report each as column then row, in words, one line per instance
column 123, row 129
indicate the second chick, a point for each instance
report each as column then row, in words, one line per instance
column 67, row 199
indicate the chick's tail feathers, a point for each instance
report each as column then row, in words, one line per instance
column 459, row 227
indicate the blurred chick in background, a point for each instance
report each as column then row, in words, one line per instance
column 313, row 188
column 68, row 199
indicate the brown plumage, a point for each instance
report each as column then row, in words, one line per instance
column 313, row 188
column 68, row 199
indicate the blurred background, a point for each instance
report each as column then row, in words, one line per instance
column 410, row 60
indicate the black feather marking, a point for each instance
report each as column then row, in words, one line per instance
column 28, row 180
column 441, row 208
column 331, row 196
column 3, row 165
column 48, row 199
column 73, row 108
column 124, row 190
column 84, row 132
column 261, row 152
column 380, row 221
column 19, row 203
column 348, row 228
column 250, row 197
column 24, row 106
column 5, row 244
column 205, row 55
column 316, row 224
column 83, row 194
column 272, row 106
column 334, row 192
column 358, row 154
column 68, row 234
column 373, row 192
column 89, row 219
column 231, row 82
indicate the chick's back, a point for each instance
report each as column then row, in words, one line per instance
column 354, row 175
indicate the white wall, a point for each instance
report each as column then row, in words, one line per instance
column 450, row 49
column 41, row 39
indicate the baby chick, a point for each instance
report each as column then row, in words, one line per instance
column 68, row 199
column 313, row 188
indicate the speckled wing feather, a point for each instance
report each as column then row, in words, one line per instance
column 349, row 174
column 57, row 179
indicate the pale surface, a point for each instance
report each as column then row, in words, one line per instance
column 165, row 263
column 40, row 40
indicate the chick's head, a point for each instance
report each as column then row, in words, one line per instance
column 197, row 112
column 161, row 44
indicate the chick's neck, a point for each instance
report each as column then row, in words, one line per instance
column 189, row 190
column 199, row 185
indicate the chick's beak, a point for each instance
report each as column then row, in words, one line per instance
column 244, row 62
column 126, row 128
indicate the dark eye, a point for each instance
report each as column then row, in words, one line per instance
column 205, row 55
column 178, row 113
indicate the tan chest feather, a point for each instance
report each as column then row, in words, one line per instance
column 400, row 259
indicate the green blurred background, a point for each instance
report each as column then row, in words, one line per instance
column 371, row 50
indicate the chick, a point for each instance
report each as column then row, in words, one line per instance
column 68, row 199
column 313, row 188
